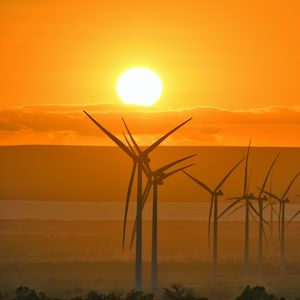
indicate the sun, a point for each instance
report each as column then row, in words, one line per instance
column 139, row 86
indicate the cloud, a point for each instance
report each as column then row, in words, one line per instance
column 66, row 124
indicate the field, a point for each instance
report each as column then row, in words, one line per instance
column 68, row 258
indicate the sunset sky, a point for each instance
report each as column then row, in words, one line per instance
column 231, row 65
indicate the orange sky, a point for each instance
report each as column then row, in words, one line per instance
column 232, row 65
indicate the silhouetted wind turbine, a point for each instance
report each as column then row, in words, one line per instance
column 215, row 193
column 260, row 200
column 141, row 160
column 248, row 206
column 261, row 233
column 156, row 178
column 283, row 200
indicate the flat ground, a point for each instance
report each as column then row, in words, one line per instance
column 66, row 258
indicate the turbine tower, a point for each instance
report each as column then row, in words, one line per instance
column 249, row 208
column 215, row 193
column 158, row 179
column 141, row 161
column 283, row 200
column 155, row 178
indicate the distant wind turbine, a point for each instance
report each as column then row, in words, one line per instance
column 249, row 209
column 261, row 233
column 215, row 193
column 141, row 160
column 283, row 200
column 261, row 200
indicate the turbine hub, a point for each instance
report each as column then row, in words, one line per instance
column 220, row 193
column 143, row 158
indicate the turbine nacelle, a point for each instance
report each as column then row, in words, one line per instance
column 285, row 200
column 159, row 181
column 219, row 193
column 143, row 158
column 264, row 198
column 158, row 173
column 157, row 178
column 248, row 196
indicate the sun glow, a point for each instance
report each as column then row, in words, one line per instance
column 139, row 86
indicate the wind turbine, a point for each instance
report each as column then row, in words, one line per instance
column 261, row 200
column 215, row 193
column 155, row 178
column 141, row 160
column 283, row 200
column 248, row 207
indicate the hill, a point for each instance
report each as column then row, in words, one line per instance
column 87, row 173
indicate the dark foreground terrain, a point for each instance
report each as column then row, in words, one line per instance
column 70, row 258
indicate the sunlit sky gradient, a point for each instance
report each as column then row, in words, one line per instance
column 232, row 65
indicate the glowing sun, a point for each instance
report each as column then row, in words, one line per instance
column 139, row 86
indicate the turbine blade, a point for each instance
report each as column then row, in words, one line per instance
column 290, row 185
column 133, row 234
column 236, row 209
column 203, row 185
column 168, row 166
column 209, row 218
column 266, row 206
column 131, row 137
column 145, row 165
column 261, row 192
column 146, row 192
column 145, row 196
column 158, row 142
column 253, row 216
column 127, row 203
column 270, row 194
column 111, row 136
column 176, row 171
column 249, row 180
column 263, row 229
column 293, row 217
column 246, row 169
column 227, row 175
column 257, row 213
column 254, row 209
column 128, row 144
column 275, row 211
column 146, row 168
column 267, row 176
column 230, row 206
